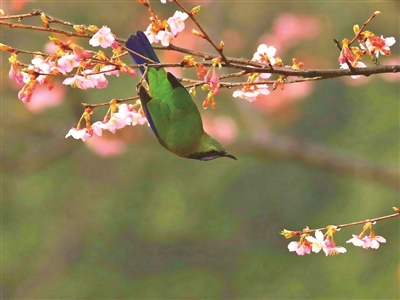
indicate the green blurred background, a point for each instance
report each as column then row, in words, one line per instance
column 149, row 225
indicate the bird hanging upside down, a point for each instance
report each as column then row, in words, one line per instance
column 170, row 110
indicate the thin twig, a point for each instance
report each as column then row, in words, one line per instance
column 373, row 220
column 205, row 34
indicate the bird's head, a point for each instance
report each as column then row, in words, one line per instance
column 210, row 149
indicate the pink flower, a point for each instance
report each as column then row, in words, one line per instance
column 331, row 249
column 112, row 125
column 372, row 241
column 68, row 62
column 151, row 34
column 41, row 65
column 265, row 54
column 110, row 70
column 80, row 82
column 165, row 37
column 176, row 22
column 130, row 115
column 82, row 134
column 103, row 38
column 25, row 94
column 300, row 248
column 99, row 80
column 15, row 73
column 15, row 70
column 376, row 45
column 165, row 1
column 327, row 245
column 317, row 242
column 356, row 241
column 250, row 93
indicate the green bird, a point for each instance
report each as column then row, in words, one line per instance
column 170, row 110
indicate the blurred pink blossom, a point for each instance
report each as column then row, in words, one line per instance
column 290, row 29
column 392, row 77
column 279, row 99
column 222, row 128
column 43, row 98
column 106, row 146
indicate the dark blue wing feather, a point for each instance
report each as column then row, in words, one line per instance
column 140, row 44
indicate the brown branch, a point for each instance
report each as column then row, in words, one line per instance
column 289, row 233
column 245, row 65
column 47, row 29
column 205, row 34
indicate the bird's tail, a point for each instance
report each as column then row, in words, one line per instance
column 140, row 44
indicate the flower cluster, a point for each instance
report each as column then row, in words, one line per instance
column 91, row 67
column 211, row 81
column 252, row 90
column 367, row 241
column 315, row 244
column 165, row 31
column 117, row 117
column 326, row 243
column 369, row 44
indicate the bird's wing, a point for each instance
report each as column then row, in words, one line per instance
column 145, row 98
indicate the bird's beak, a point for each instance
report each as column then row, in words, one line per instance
column 230, row 156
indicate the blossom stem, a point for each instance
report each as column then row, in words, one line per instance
column 206, row 36
column 373, row 220
column 363, row 27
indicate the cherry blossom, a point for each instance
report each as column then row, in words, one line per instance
column 15, row 70
column 176, row 22
column 41, row 65
column 265, row 54
column 372, row 241
column 165, row 37
column 80, row 82
column 113, row 124
column 15, row 73
column 109, row 70
column 376, row 45
column 99, row 80
column 299, row 248
column 103, row 38
column 83, row 134
column 250, row 93
column 68, row 62
column 151, row 34
column 25, row 94
column 331, row 249
column 317, row 242
column 356, row 241
column 130, row 115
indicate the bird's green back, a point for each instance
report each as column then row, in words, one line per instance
column 174, row 113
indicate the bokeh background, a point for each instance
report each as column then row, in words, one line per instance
column 121, row 218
